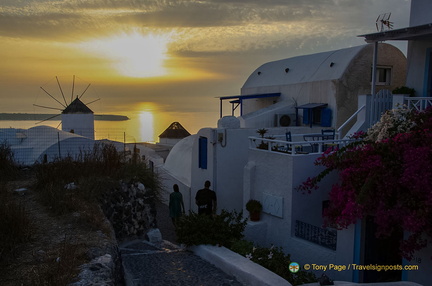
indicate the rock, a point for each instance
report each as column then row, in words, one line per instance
column 141, row 187
column 100, row 271
column 154, row 235
column 21, row 191
column 70, row 186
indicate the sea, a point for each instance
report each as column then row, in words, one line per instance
column 133, row 128
column 118, row 130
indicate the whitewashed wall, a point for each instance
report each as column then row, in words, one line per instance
column 417, row 54
column 424, row 261
column 226, row 160
column 278, row 175
column 81, row 124
column 420, row 12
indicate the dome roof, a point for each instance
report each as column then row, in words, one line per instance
column 179, row 160
column 308, row 68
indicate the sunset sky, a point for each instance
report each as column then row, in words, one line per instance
column 172, row 58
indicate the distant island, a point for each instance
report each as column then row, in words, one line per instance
column 33, row 117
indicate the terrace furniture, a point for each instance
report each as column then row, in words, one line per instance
column 314, row 147
column 328, row 134
column 287, row 147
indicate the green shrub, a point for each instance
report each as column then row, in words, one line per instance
column 223, row 229
column 274, row 259
column 404, row 90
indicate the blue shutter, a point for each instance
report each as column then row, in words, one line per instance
column 306, row 116
column 202, row 155
column 326, row 117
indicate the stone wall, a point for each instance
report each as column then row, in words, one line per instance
column 131, row 210
column 106, row 266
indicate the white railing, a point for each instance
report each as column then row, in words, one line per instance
column 418, row 103
column 339, row 130
column 296, row 147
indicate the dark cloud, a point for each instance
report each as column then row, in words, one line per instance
column 54, row 19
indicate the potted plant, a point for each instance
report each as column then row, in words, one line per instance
column 404, row 90
column 262, row 132
column 262, row 145
column 254, row 208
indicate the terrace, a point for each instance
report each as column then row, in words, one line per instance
column 297, row 144
column 369, row 111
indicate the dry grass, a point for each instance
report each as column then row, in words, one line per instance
column 15, row 224
column 49, row 231
column 55, row 245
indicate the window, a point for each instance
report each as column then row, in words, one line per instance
column 325, row 206
column 383, row 76
column 202, row 152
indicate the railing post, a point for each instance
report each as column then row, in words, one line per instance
column 398, row 100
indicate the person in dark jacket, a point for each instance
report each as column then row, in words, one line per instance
column 206, row 200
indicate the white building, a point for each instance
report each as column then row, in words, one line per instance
column 331, row 81
column 173, row 134
column 44, row 144
column 305, row 95
column 323, row 86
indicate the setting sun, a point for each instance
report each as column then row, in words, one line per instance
column 133, row 54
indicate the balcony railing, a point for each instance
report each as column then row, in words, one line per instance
column 302, row 144
column 315, row 234
column 418, row 103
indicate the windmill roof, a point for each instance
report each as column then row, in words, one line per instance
column 175, row 130
column 77, row 106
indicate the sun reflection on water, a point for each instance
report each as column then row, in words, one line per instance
column 146, row 126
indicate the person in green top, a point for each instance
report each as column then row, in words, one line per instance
column 176, row 206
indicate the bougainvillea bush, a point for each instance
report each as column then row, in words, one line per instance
column 386, row 175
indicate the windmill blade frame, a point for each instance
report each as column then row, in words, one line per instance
column 58, row 86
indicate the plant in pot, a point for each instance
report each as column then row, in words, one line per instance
column 262, row 133
column 404, row 90
column 254, row 208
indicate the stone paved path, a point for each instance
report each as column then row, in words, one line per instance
column 167, row 264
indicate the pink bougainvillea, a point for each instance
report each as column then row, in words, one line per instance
column 387, row 175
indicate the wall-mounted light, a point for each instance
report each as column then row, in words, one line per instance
column 286, row 70
column 331, row 64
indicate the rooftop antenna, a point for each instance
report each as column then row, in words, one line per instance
column 383, row 22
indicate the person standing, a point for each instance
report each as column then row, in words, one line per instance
column 206, row 200
column 176, row 206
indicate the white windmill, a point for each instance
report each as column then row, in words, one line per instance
column 76, row 116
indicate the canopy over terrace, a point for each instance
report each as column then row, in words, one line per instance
column 238, row 100
column 417, row 33
column 421, row 32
